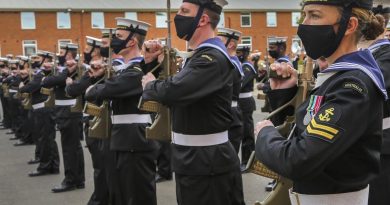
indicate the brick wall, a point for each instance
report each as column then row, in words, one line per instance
column 47, row 35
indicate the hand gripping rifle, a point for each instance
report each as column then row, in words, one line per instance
column 280, row 195
column 100, row 125
column 78, row 106
column 161, row 128
column 50, row 101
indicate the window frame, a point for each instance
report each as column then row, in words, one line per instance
column 246, row 14
column 157, row 19
column 24, row 45
column 267, row 19
column 70, row 20
column 92, row 19
column 24, row 24
column 246, row 38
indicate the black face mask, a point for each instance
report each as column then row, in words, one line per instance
column 88, row 56
column 274, row 54
column 104, row 52
column 21, row 67
column 118, row 45
column 321, row 40
column 186, row 25
column 36, row 64
column 2, row 66
column 61, row 60
column 241, row 58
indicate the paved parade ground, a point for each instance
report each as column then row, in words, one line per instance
column 16, row 188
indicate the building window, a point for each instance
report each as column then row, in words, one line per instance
column 221, row 23
column 246, row 20
column 131, row 15
column 161, row 20
column 63, row 20
column 28, row 20
column 97, row 19
column 246, row 41
column 295, row 17
column 271, row 19
column 29, row 47
column 296, row 45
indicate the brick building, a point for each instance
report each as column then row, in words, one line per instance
column 43, row 24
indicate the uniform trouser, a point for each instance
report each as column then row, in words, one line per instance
column 72, row 152
column 14, row 112
column 100, row 195
column 248, row 141
column 6, row 117
column 25, row 132
column 134, row 181
column 164, row 159
column 236, row 129
column 217, row 189
column 380, row 187
column 46, row 144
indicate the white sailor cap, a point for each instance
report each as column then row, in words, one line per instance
column 23, row 58
column 94, row 42
column 10, row 56
column 45, row 54
column 243, row 48
column 5, row 60
column 106, row 32
column 213, row 5
column 277, row 40
column 64, row 46
column 229, row 33
column 13, row 61
column 72, row 46
column 133, row 26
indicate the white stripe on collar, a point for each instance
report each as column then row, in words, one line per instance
column 322, row 77
column 251, row 66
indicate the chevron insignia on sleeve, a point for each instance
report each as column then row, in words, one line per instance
column 321, row 130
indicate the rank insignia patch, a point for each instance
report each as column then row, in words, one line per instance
column 322, row 130
column 354, row 86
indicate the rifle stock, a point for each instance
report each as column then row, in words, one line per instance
column 50, row 101
column 78, row 106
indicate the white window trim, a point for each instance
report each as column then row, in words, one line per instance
column 59, row 41
column 104, row 21
column 21, row 21
column 292, row 19
column 276, row 19
column 165, row 25
column 250, row 20
column 221, row 23
column 70, row 20
column 23, row 45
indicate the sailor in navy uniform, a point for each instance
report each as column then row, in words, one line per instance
column 333, row 152
column 13, row 82
column 4, row 103
column 134, row 177
column 380, row 48
column 69, row 123
column 92, row 61
column 230, row 38
column 205, row 163
column 44, row 124
column 247, row 104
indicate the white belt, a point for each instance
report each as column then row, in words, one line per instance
column 355, row 198
column 38, row 105
column 13, row 91
column 386, row 123
column 85, row 115
column 65, row 102
column 131, row 119
column 200, row 140
column 246, row 95
column 234, row 103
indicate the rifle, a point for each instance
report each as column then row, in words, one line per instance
column 161, row 128
column 78, row 106
column 100, row 125
column 50, row 101
column 280, row 195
